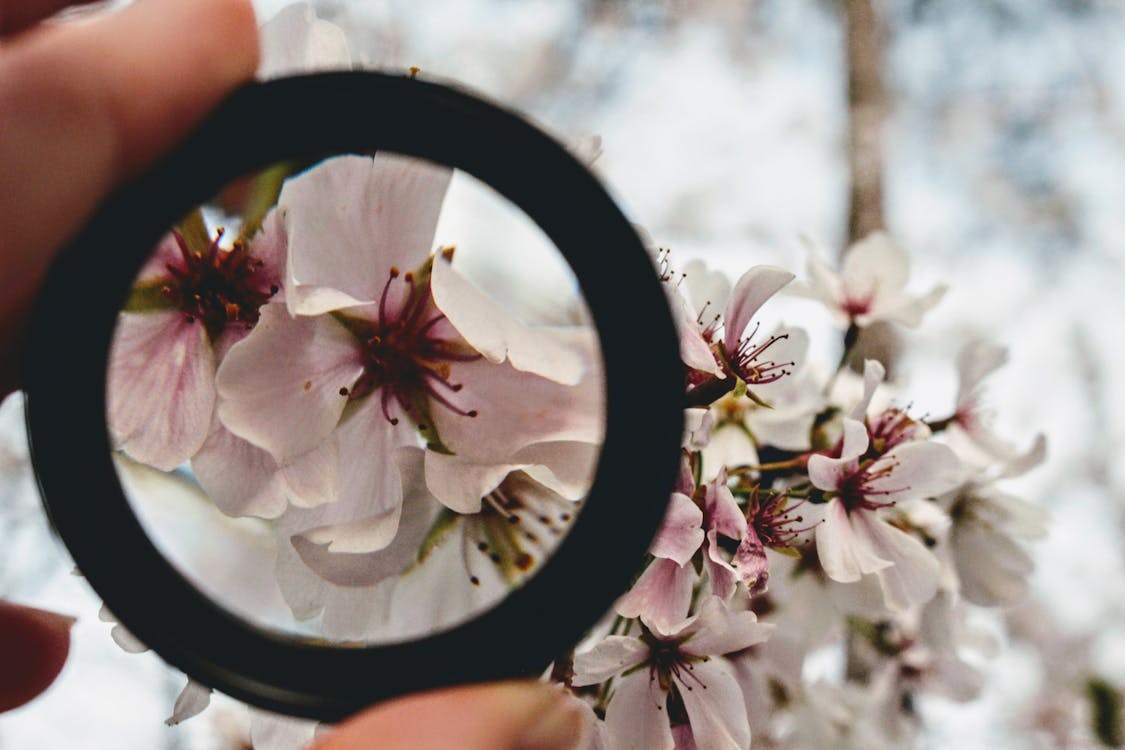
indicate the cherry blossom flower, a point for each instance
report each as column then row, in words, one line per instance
column 361, row 351
column 716, row 345
column 856, row 538
column 296, row 41
column 871, row 285
column 188, row 307
column 675, row 678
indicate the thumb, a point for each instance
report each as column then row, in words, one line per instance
column 33, row 647
column 502, row 716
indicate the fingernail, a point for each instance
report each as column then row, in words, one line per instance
column 558, row 728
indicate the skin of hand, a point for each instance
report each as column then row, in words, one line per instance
column 84, row 106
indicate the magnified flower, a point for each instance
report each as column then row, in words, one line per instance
column 871, row 285
column 189, row 306
column 362, row 352
column 675, row 682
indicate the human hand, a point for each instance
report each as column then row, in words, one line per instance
column 83, row 107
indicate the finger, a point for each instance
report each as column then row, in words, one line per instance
column 87, row 104
column 504, row 716
column 16, row 15
column 33, row 648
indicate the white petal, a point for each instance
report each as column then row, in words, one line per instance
column 921, row 469
column 460, row 483
column 366, row 516
column 240, row 478
column 191, row 701
column 913, row 577
column 350, row 220
column 566, row 467
column 280, row 387
column 681, row 532
column 904, row 309
column 694, row 349
column 875, row 265
column 313, row 478
column 161, row 391
column 610, row 656
column 661, row 596
column 730, row 446
column 516, row 409
column 845, row 553
column 499, row 336
column 752, row 290
column 715, row 706
column 364, row 568
column 873, row 374
column 274, row 732
column 296, row 41
column 718, row 630
column 977, row 360
column 637, row 717
column 705, row 287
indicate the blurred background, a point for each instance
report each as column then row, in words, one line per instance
column 987, row 136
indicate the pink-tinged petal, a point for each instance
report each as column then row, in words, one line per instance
column 156, row 266
column 350, row 220
column 977, row 360
column 706, row 289
column 683, row 737
column 460, row 483
column 313, row 478
column 366, row 516
column 904, row 309
column 296, row 41
column 280, row 387
column 240, row 478
column 694, row 349
column 637, row 716
column 723, row 578
column 161, row 390
column 715, row 706
column 496, row 334
column 610, row 656
column 750, row 292
column 270, row 245
column 875, row 266
column 1024, row 462
column 313, row 531
column 721, row 509
column 913, row 576
column 845, row 552
column 682, row 530
column 515, row 409
column 718, row 630
column 191, row 701
column 566, row 467
column 920, row 469
column 751, row 563
column 730, row 446
column 661, row 596
column 873, row 375
column 856, row 440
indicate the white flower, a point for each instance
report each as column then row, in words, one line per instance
column 855, row 538
column 870, row 287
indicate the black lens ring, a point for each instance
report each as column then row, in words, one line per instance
column 308, row 117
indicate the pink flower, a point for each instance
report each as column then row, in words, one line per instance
column 676, row 677
column 380, row 346
column 188, row 307
column 855, row 538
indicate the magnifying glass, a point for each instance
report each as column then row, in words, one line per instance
column 368, row 388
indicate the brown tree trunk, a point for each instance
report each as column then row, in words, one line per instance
column 866, row 109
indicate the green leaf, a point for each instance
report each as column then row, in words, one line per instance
column 194, row 231
column 265, row 188
column 445, row 522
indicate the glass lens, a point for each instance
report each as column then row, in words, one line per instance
column 359, row 399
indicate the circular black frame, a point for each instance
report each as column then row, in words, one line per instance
column 306, row 117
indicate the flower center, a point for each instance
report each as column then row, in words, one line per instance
column 857, row 491
column 407, row 354
column 218, row 287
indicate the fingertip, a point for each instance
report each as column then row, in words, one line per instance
column 34, row 645
column 499, row 716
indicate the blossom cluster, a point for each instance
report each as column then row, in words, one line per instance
column 418, row 449
column 816, row 520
